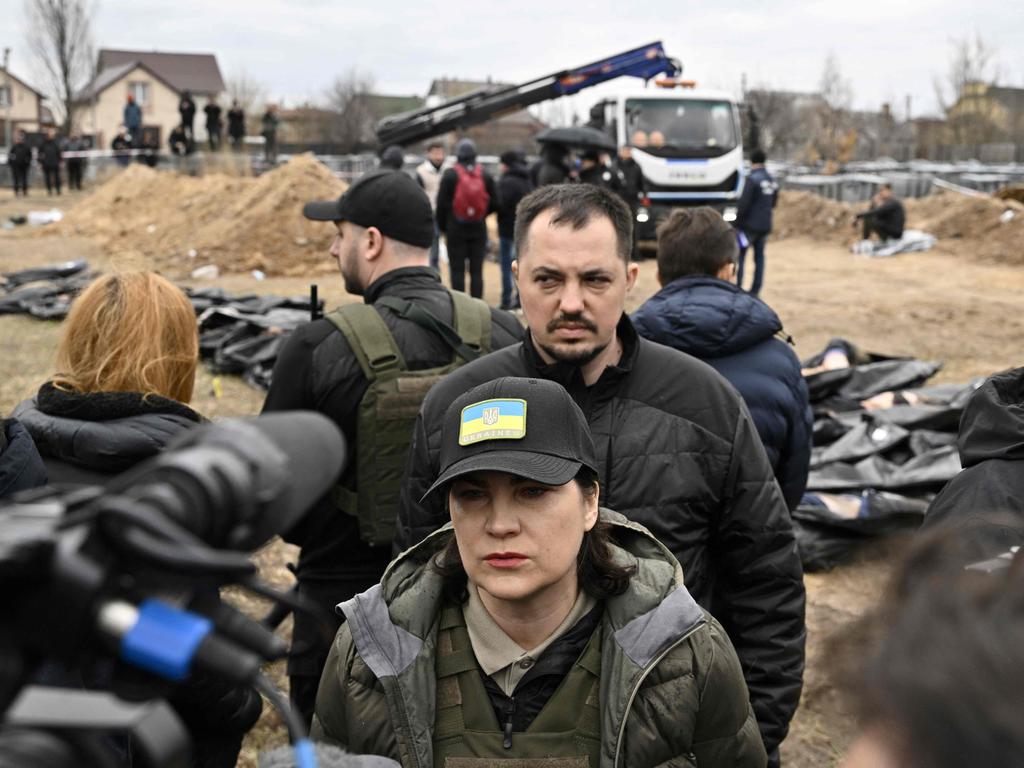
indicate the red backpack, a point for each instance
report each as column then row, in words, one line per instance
column 471, row 198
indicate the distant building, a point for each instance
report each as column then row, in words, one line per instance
column 23, row 104
column 515, row 130
column 987, row 114
column 157, row 80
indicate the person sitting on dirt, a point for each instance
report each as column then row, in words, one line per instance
column 126, row 367
column 701, row 310
column 938, row 669
column 886, row 217
column 537, row 627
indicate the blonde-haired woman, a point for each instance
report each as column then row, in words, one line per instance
column 125, row 372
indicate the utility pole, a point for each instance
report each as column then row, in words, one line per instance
column 9, row 102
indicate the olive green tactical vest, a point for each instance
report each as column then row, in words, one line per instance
column 565, row 734
column 388, row 410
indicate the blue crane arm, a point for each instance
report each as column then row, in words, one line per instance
column 485, row 104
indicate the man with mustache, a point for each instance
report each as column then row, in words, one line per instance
column 676, row 448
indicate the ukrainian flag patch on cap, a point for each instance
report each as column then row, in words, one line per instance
column 493, row 420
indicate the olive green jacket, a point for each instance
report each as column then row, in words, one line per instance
column 672, row 693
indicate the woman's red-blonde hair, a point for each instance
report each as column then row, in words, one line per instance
column 130, row 332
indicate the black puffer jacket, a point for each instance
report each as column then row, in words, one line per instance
column 679, row 454
column 89, row 438
column 987, row 497
column 20, row 465
column 736, row 334
column 513, row 186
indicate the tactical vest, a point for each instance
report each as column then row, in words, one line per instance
column 388, row 410
column 565, row 734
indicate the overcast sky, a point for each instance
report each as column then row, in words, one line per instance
column 887, row 49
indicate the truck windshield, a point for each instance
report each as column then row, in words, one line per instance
column 681, row 126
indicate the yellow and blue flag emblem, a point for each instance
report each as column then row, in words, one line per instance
column 493, row 420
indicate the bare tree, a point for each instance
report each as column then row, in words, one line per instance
column 779, row 119
column 833, row 110
column 972, row 67
column 350, row 99
column 60, row 37
column 250, row 93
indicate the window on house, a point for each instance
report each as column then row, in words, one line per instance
column 140, row 91
column 5, row 96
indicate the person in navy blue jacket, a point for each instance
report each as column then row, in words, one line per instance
column 754, row 216
column 701, row 311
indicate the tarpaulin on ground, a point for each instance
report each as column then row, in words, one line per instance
column 238, row 333
column 884, row 444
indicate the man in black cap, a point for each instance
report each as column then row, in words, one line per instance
column 465, row 198
column 384, row 231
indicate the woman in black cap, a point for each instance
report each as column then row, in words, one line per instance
column 536, row 627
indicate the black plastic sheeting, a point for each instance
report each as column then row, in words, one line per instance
column 874, row 469
column 239, row 334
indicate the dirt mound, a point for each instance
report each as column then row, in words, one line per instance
column 234, row 222
column 983, row 228
column 805, row 214
column 1013, row 192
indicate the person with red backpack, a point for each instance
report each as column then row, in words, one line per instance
column 466, row 196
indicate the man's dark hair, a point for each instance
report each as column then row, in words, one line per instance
column 694, row 241
column 598, row 573
column 937, row 669
column 435, row 145
column 576, row 204
column 886, row 185
column 757, row 157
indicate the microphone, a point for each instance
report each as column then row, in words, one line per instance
column 237, row 483
column 327, row 755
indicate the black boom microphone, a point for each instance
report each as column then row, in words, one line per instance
column 237, row 483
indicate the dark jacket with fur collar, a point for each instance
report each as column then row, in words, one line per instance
column 88, row 438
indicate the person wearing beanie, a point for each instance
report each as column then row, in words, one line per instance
column 536, row 628
column 384, row 229
column 466, row 196
column 392, row 158
column 754, row 216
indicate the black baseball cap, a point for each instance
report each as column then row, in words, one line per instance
column 526, row 427
column 388, row 200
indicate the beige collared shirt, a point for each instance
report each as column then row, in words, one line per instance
column 499, row 655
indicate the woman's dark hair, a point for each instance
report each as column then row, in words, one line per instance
column 599, row 575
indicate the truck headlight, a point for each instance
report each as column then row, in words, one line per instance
column 643, row 217
column 729, row 214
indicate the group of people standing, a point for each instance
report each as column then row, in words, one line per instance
column 52, row 154
column 181, row 139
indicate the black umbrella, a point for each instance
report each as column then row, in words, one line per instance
column 577, row 136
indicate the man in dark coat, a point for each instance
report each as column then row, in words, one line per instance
column 213, row 124
column 984, row 503
column 701, row 311
column 886, row 217
column 50, row 158
column 75, row 143
column 754, row 216
column 236, row 125
column 513, row 186
column 385, row 228
column 187, row 110
column 19, row 158
column 677, row 450
column 553, row 166
column 132, row 118
column 466, row 230
column 594, row 170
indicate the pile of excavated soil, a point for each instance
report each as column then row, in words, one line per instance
column 805, row 214
column 182, row 222
column 984, row 228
